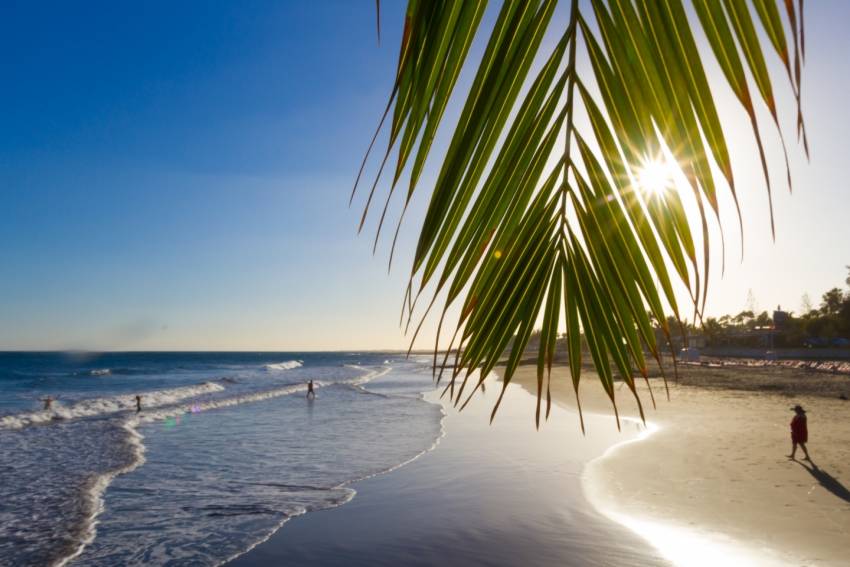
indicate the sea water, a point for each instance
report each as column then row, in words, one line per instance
column 225, row 449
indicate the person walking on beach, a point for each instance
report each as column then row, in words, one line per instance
column 799, row 432
column 310, row 392
column 47, row 402
column 138, row 403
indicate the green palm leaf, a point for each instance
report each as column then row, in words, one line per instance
column 537, row 222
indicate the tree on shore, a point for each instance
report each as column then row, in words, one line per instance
column 828, row 325
column 554, row 204
column 832, row 301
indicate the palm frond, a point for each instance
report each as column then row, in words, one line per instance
column 536, row 218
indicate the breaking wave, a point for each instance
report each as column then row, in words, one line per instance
column 288, row 365
column 104, row 406
column 135, row 438
column 100, row 439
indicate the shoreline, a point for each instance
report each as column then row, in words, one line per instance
column 95, row 492
column 675, row 541
column 347, row 485
column 689, row 486
column 484, row 494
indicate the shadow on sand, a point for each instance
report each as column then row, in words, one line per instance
column 827, row 481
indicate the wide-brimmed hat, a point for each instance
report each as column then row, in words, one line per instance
column 798, row 408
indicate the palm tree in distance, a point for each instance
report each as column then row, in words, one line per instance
column 554, row 206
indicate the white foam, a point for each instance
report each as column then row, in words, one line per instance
column 101, row 372
column 288, row 365
column 163, row 398
column 166, row 412
column 104, row 406
column 99, row 485
column 164, row 404
column 96, row 490
column 171, row 411
column 367, row 377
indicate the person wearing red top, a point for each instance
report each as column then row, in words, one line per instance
column 799, row 432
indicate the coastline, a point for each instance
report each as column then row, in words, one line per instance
column 709, row 479
column 486, row 494
column 348, row 485
column 95, row 493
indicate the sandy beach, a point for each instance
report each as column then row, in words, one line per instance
column 711, row 481
column 705, row 482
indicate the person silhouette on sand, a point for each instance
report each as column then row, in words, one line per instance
column 799, row 432
column 138, row 403
column 310, row 393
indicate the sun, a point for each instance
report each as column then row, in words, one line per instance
column 655, row 176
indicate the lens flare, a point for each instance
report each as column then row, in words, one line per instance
column 655, row 176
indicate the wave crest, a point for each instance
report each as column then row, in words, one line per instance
column 288, row 365
column 103, row 406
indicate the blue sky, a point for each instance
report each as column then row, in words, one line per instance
column 176, row 176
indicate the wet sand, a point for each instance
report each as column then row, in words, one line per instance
column 501, row 494
column 713, row 482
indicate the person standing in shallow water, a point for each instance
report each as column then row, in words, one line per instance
column 799, row 432
column 138, row 403
column 48, row 401
column 310, row 392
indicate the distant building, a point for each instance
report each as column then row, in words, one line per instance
column 780, row 318
column 693, row 340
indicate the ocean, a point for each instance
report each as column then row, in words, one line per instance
column 225, row 449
